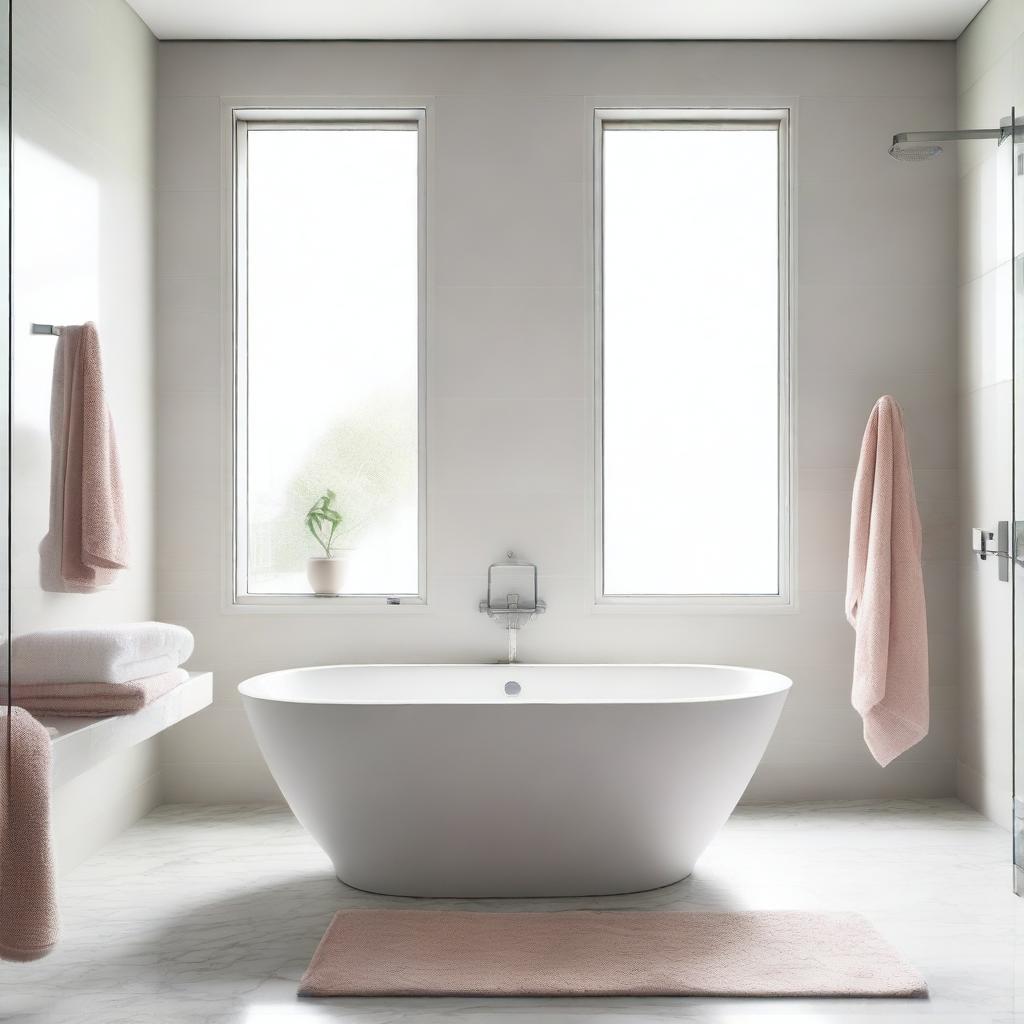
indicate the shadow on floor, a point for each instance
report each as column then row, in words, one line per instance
column 271, row 931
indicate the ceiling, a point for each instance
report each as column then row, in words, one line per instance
column 557, row 19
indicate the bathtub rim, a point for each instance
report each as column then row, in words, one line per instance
column 779, row 684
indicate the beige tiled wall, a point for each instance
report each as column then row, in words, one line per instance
column 509, row 341
column 990, row 80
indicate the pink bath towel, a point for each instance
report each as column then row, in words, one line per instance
column 885, row 591
column 29, row 924
column 95, row 700
column 87, row 517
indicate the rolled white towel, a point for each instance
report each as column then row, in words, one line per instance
column 100, row 654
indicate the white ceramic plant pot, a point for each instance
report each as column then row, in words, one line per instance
column 327, row 575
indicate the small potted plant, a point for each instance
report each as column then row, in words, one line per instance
column 326, row 574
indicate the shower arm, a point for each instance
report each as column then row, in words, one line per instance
column 964, row 135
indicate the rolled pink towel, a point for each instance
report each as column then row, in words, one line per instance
column 95, row 700
column 885, row 591
column 29, row 922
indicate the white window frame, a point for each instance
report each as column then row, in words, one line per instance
column 244, row 120
column 681, row 119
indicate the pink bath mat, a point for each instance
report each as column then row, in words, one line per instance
column 605, row 953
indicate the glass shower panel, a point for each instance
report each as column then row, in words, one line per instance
column 5, row 344
column 1016, row 195
column 6, row 864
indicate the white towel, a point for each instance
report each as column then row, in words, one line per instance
column 100, row 654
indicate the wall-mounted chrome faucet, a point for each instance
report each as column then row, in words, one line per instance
column 512, row 597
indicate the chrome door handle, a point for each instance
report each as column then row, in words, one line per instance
column 983, row 543
column 996, row 543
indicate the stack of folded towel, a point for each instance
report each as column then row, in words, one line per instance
column 98, row 671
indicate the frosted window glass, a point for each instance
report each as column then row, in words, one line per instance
column 691, row 362
column 332, row 354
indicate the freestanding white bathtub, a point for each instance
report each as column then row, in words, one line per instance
column 432, row 780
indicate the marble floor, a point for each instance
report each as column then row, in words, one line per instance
column 210, row 914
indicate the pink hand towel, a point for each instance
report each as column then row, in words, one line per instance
column 87, row 492
column 885, row 591
column 29, row 924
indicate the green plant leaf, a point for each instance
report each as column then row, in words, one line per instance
column 323, row 521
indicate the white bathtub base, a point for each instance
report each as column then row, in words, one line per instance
column 611, row 779
column 482, row 894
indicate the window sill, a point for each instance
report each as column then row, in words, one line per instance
column 310, row 604
column 730, row 604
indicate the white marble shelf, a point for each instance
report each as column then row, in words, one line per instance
column 82, row 743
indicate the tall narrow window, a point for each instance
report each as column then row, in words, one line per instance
column 692, row 282
column 328, row 352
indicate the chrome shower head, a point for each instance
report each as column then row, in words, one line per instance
column 914, row 152
column 913, row 147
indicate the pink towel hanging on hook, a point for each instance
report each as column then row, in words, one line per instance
column 885, row 591
column 88, row 485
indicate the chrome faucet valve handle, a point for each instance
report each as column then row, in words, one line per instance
column 512, row 599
